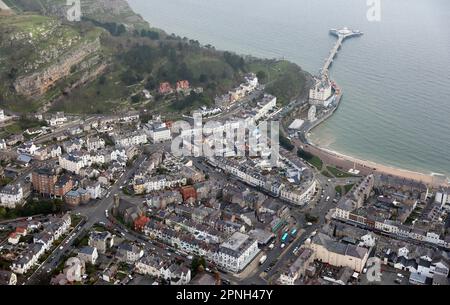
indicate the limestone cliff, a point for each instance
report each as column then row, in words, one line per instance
column 37, row 83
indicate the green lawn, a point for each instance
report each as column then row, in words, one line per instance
column 316, row 162
column 327, row 174
column 343, row 189
column 338, row 173
column 313, row 160
column 348, row 187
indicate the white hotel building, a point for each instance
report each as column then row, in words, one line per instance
column 11, row 196
column 237, row 252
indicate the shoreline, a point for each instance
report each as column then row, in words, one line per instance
column 367, row 166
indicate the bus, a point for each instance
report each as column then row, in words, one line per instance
column 294, row 232
column 284, row 237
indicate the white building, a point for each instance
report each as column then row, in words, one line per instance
column 73, row 163
column 268, row 103
column 442, row 198
column 27, row 259
column 158, row 183
column 11, row 196
column 95, row 143
column 88, row 254
column 74, row 269
column 55, row 151
column 298, row 197
column 57, row 119
column 77, row 160
column 2, row 115
column 94, row 190
column 237, row 252
column 129, row 117
column 251, row 80
column 160, row 268
column 320, row 92
column 157, row 132
column 28, row 148
column 3, row 144
column 130, row 139
column 73, row 145
column 129, row 253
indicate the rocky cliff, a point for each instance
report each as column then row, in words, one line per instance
column 39, row 82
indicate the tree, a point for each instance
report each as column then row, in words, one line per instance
column 261, row 75
column 203, row 78
column 135, row 99
column 198, row 264
column 286, row 143
column 12, row 73
column 150, row 84
column 235, row 61
column 102, row 80
column 121, row 30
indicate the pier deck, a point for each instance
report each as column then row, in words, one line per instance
column 342, row 34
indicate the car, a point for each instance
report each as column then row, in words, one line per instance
column 271, row 246
column 267, row 270
column 283, row 245
column 309, row 224
column 123, row 234
column 60, row 248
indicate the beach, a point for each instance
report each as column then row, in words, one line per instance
column 367, row 167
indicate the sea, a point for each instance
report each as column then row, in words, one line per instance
column 396, row 77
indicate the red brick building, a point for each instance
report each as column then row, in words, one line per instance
column 165, row 88
column 140, row 223
column 46, row 182
column 188, row 192
column 183, row 85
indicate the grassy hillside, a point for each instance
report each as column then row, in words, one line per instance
column 135, row 55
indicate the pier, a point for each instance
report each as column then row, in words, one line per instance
column 341, row 34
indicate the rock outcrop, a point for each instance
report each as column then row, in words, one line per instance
column 39, row 82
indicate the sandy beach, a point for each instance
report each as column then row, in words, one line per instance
column 366, row 167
